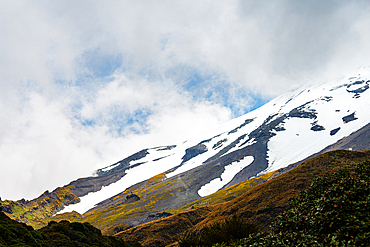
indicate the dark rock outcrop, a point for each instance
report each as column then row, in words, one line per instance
column 349, row 118
column 194, row 151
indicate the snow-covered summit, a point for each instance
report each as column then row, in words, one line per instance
column 286, row 130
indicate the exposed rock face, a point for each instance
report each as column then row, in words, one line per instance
column 358, row 90
column 349, row 118
column 124, row 164
column 194, row 151
column 132, row 198
column 7, row 209
column 316, row 127
column 83, row 186
column 334, row 131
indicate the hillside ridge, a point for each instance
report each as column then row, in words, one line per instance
column 261, row 203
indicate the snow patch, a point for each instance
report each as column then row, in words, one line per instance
column 229, row 173
column 133, row 176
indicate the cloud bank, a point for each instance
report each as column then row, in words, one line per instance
column 84, row 84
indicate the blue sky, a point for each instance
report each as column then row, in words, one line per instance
column 84, row 84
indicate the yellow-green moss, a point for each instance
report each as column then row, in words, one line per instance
column 150, row 196
column 18, row 210
column 156, row 190
column 225, row 194
column 40, row 208
column 29, row 217
column 157, row 178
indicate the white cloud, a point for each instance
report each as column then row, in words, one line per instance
column 44, row 143
column 86, row 83
column 41, row 148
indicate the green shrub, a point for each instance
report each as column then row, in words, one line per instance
column 225, row 232
column 333, row 211
column 336, row 206
column 61, row 234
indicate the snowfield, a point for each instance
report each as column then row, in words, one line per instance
column 227, row 175
column 299, row 123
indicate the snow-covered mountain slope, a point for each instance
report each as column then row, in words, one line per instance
column 284, row 131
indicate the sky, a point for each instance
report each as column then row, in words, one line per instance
column 84, row 84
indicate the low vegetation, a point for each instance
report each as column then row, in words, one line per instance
column 226, row 232
column 148, row 200
column 35, row 211
column 63, row 234
column 297, row 208
column 226, row 194
column 261, row 204
column 332, row 211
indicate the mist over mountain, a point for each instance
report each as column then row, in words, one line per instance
column 219, row 165
column 86, row 84
column 285, row 131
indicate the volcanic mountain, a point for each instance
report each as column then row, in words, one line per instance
column 155, row 182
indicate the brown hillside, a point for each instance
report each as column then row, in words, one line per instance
column 38, row 209
column 262, row 203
